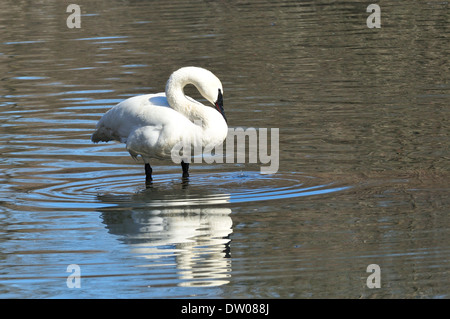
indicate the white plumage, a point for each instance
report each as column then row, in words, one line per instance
column 151, row 125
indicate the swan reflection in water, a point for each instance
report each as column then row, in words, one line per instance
column 175, row 229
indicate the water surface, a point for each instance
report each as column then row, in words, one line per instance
column 364, row 161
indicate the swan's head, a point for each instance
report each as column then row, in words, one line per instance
column 211, row 89
column 206, row 83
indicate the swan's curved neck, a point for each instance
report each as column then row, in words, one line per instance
column 176, row 98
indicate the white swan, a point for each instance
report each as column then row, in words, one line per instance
column 151, row 125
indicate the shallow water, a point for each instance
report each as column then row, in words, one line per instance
column 364, row 159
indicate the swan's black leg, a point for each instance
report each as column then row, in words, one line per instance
column 148, row 173
column 185, row 167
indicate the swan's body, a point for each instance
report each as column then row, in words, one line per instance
column 152, row 125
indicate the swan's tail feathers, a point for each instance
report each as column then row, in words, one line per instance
column 103, row 134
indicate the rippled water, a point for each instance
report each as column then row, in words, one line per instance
column 364, row 161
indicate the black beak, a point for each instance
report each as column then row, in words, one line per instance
column 219, row 105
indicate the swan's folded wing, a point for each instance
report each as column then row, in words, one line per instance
column 145, row 141
column 118, row 123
